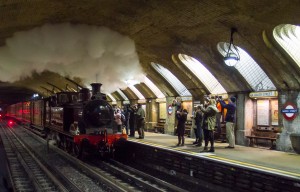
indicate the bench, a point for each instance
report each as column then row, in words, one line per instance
column 262, row 133
column 160, row 126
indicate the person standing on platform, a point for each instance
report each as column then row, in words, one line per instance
column 118, row 119
column 219, row 115
column 177, row 103
column 194, row 126
column 230, row 119
column 131, row 113
column 209, row 123
column 126, row 118
column 140, row 121
column 181, row 117
column 198, row 122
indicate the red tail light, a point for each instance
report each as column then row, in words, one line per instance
column 10, row 122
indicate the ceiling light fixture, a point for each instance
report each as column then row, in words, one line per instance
column 232, row 54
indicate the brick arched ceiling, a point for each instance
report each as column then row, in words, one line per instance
column 161, row 29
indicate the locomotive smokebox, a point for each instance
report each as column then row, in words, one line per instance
column 96, row 88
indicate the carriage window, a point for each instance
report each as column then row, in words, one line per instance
column 74, row 98
column 63, row 98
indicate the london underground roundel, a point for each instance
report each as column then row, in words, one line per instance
column 289, row 111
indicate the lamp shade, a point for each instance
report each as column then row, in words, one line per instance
column 231, row 59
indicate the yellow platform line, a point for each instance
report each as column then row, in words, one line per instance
column 220, row 158
column 163, row 146
column 255, row 166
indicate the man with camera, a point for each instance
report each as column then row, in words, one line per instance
column 230, row 119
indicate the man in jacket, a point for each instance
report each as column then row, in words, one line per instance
column 209, row 123
column 230, row 119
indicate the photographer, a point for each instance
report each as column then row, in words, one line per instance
column 181, row 118
column 230, row 119
column 209, row 123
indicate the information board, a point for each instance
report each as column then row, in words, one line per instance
column 263, row 112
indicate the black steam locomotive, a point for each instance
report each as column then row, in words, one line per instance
column 75, row 121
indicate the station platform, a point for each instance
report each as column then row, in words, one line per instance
column 264, row 159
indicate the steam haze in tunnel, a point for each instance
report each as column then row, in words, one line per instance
column 89, row 52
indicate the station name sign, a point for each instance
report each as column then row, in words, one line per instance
column 186, row 98
column 263, row 94
column 289, row 110
column 160, row 100
column 142, row 101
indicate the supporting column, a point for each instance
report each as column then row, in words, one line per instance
column 241, row 115
column 283, row 143
column 152, row 112
column 170, row 120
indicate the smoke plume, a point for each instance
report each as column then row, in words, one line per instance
column 89, row 52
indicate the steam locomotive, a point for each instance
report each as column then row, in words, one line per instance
column 75, row 121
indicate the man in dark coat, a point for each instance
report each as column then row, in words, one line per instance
column 181, row 119
column 131, row 117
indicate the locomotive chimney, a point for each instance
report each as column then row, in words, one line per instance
column 96, row 88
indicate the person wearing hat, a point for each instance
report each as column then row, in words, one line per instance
column 230, row 119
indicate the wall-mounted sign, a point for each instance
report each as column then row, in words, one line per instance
column 170, row 109
column 142, row 101
column 160, row 100
column 264, row 94
column 186, row 98
column 289, row 111
column 263, row 112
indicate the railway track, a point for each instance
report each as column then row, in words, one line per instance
column 26, row 171
column 93, row 175
column 135, row 180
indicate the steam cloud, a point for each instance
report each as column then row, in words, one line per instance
column 84, row 51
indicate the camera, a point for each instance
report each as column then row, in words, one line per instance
column 218, row 98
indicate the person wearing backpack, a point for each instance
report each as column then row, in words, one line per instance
column 209, row 123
